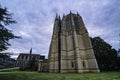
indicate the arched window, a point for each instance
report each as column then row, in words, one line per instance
column 68, row 26
column 72, row 64
column 83, row 63
column 26, row 57
column 76, row 25
column 22, row 57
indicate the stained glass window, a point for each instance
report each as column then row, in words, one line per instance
column 68, row 25
column 76, row 25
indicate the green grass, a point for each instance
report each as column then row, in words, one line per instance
column 19, row 75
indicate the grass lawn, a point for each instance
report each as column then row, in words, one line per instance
column 19, row 75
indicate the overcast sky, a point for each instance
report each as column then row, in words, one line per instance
column 35, row 19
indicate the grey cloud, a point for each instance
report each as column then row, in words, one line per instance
column 36, row 18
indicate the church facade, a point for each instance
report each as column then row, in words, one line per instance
column 71, row 49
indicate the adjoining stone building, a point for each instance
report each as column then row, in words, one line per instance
column 24, row 58
column 43, row 65
column 70, row 48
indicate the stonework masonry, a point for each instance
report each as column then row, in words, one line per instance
column 70, row 48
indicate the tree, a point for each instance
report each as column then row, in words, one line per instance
column 106, row 56
column 5, row 34
column 31, row 65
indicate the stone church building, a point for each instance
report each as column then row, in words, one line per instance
column 71, row 49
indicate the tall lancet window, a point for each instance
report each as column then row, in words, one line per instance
column 76, row 24
column 68, row 26
column 72, row 64
column 83, row 62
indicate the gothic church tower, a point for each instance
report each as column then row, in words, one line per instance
column 70, row 48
